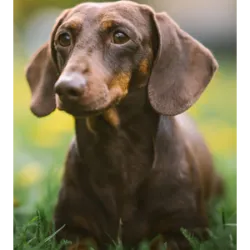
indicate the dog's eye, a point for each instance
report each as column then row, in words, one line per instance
column 120, row 37
column 64, row 39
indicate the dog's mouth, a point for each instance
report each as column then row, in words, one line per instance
column 81, row 109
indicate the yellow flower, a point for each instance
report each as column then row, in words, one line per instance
column 29, row 174
column 15, row 203
column 221, row 138
column 22, row 93
column 194, row 111
column 50, row 129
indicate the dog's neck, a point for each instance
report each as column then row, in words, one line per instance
column 133, row 115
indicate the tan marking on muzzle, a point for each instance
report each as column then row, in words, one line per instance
column 121, row 81
column 112, row 117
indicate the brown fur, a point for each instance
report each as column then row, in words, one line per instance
column 137, row 167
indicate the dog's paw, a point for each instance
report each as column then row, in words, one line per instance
column 84, row 244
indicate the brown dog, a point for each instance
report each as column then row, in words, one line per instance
column 136, row 168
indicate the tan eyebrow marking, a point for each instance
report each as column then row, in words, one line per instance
column 107, row 24
column 74, row 24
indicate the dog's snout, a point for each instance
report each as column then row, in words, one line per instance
column 70, row 87
column 68, row 90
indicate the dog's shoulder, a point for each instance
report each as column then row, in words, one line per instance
column 179, row 145
column 192, row 138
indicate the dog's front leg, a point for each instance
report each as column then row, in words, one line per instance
column 172, row 205
column 84, row 244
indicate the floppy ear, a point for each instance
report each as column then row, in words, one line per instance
column 41, row 74
column 183, row 68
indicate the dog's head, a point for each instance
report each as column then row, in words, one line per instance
column 95, row 51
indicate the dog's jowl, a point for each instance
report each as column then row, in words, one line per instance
column 137, row 167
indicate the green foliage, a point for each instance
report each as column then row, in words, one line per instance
column 23, row 9
column 221, row 238
column 38, row 233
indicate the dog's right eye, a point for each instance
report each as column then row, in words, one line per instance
column 120, row 37
column 64, row 39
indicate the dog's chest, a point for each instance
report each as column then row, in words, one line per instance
column 117, row 169
column 130, row 156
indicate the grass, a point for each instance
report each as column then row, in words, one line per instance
column 40, row 146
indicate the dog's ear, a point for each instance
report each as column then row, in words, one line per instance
column 182, row 69
column 41, row 74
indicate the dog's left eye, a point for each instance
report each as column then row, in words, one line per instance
column 120, row 37
column 64, row 39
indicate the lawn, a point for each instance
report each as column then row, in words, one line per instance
column 40, row 146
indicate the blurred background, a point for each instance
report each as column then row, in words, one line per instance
column 40, row 145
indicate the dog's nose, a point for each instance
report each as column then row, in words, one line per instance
column 70, row 86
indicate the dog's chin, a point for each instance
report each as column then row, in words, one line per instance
column 83, row 113
column 79, row 111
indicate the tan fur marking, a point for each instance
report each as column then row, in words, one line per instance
column 106, row 25
column 122, row 81
column 74, row 24
column 90, row 123
column 143, row 67
column 112, row 117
